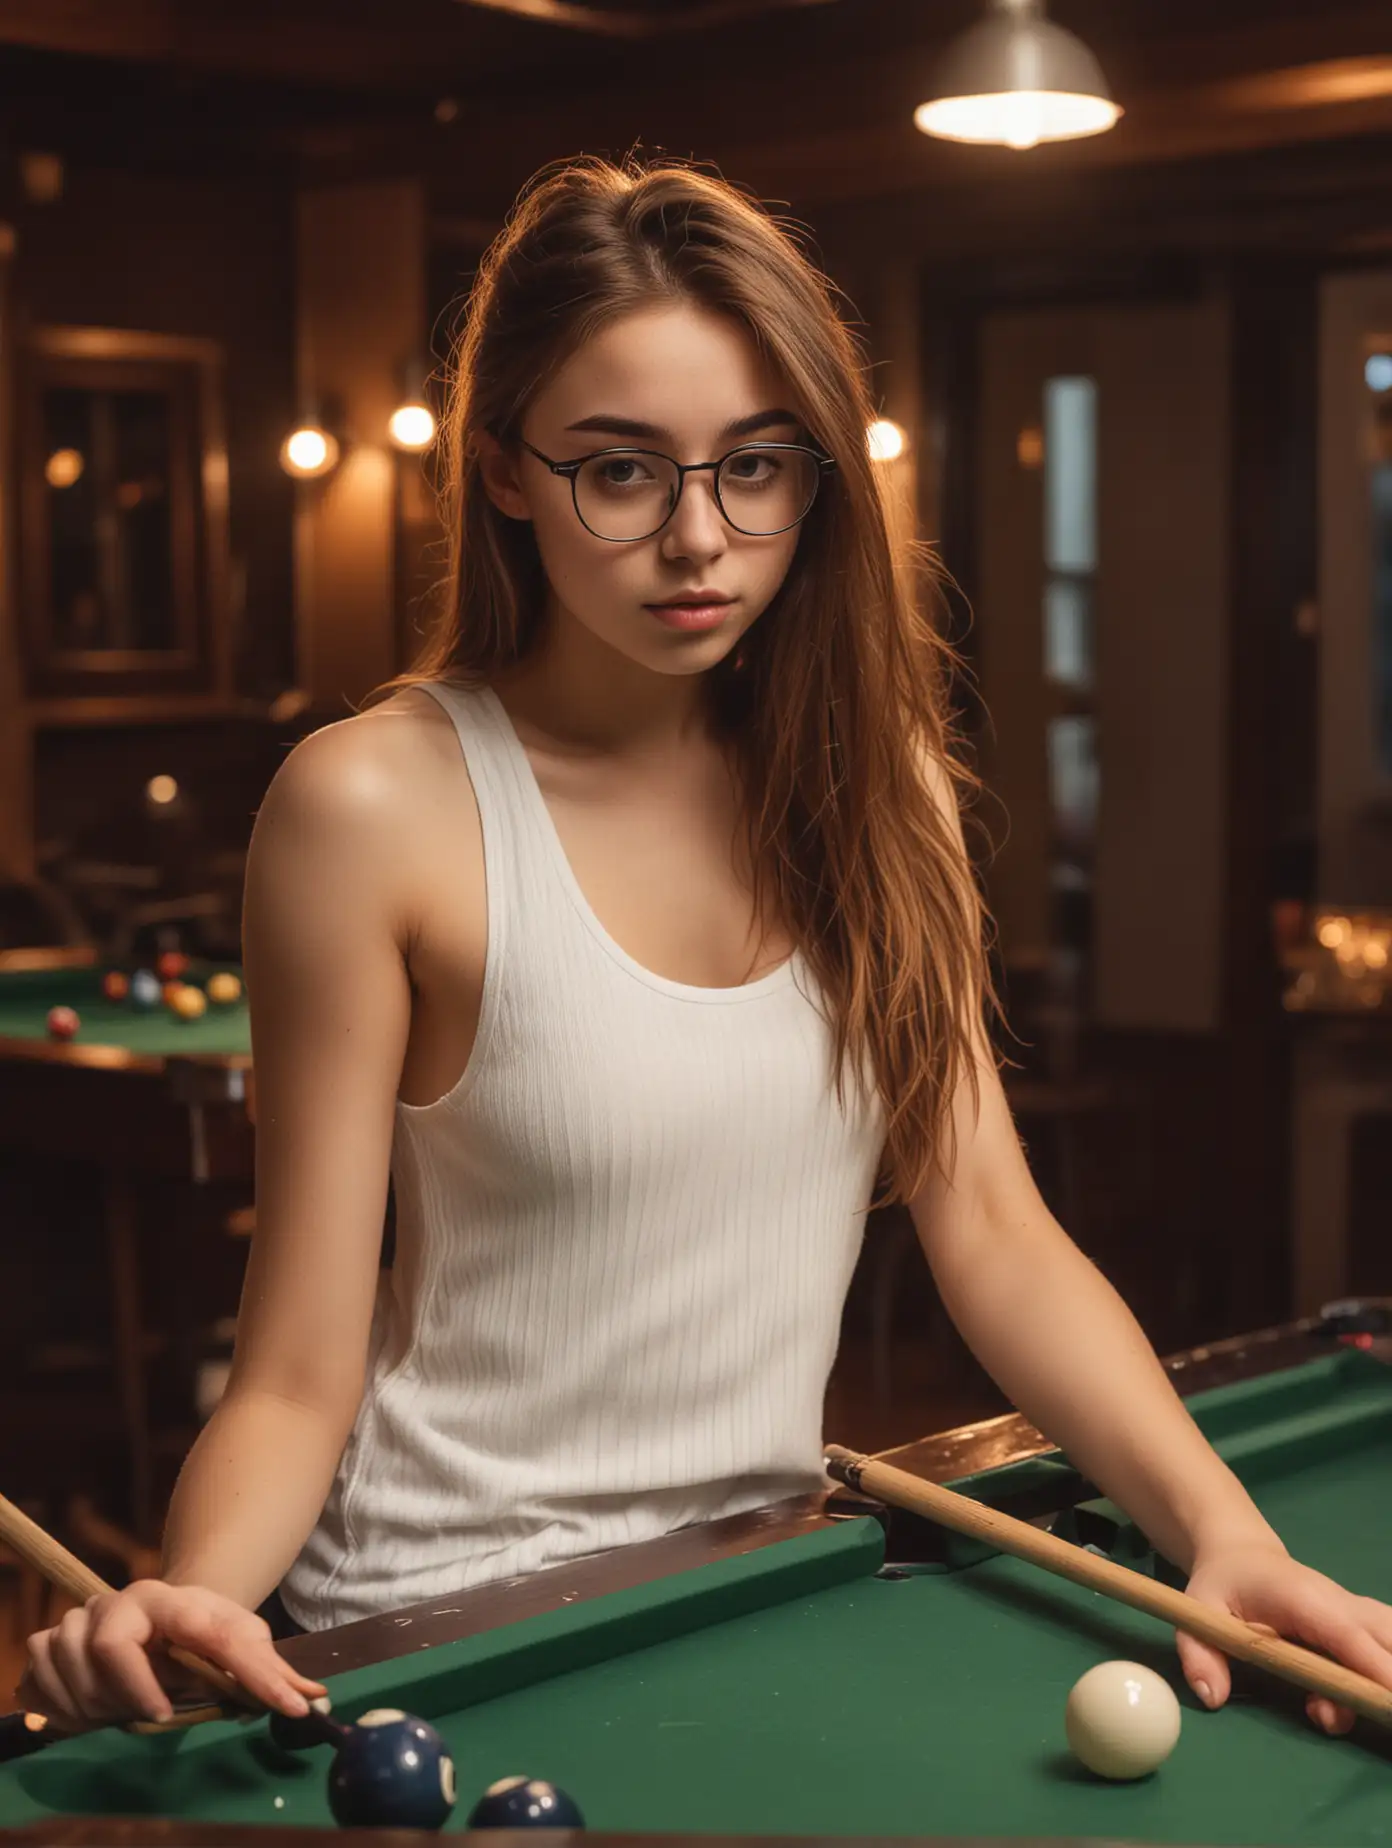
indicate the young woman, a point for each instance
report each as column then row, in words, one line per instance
column 636, row 936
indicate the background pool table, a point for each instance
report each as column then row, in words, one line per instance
column 827, row 1668
column 144, row 1098
column 129, row 1089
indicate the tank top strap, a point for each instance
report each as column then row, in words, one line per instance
column 524, row 869
column 489, row 746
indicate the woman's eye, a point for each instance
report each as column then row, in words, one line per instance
column 622, row 471
column 752, row 471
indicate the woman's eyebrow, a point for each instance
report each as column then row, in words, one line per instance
column 612, row 425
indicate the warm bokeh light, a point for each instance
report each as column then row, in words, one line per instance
column 1351, row 968
column 64, row 467
column 886, row 440
column 42, row 176
column 162, row 790
column 412, row 427
column 308, row 451
column 1029, row 447
column 1016, row 118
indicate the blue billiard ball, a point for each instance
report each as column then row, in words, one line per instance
column 392, row 1771
column 145, row 990
column 525, row 1803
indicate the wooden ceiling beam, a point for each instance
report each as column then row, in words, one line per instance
column 609, row 22
column 860, row 162
column 829, row 127
column 463, row 45
column 307, row 45
column 872, row 85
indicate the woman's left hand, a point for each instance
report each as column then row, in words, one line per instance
column 1261, row 1583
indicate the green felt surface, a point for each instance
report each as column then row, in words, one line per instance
column 26, row 996
column 793, row 1691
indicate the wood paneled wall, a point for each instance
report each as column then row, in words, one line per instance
column 362, row 309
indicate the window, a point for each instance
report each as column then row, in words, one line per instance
column 1378, row 374
column 123, row 477
column 1070, row 528
column 1069, row 591
column 108, row 519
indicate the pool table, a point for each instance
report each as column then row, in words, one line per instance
column 826, row 1668
column 139, row 1095
column 145, row 1092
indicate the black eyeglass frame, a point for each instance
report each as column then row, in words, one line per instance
column 825, row 466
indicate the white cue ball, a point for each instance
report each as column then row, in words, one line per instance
column 1122, row 1720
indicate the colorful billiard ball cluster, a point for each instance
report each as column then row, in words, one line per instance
column 147, row 988
column 1122, row 1720
column 393, row 1771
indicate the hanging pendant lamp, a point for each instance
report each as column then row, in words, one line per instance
column 1017, row 79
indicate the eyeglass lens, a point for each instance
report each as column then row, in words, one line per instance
column 628, row 494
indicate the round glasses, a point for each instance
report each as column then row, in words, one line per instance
column 625, row 494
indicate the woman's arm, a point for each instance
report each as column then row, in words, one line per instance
column 324, row 941
column 1061, row 1343
column 1063, row 1346
column 1051, row 1331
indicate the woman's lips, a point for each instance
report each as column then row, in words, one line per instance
column 690, row 615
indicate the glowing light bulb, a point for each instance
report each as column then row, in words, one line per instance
column 885, row 440
column 412, row 426
column 308, row 451
column 1016, row 118
column 64, row 467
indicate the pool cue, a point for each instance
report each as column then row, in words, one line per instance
column 66, row 1572
column 1254, row 1643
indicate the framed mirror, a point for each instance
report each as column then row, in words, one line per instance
column 122, row 514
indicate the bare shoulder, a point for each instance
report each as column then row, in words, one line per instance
column 353, row 818
column 369, row 770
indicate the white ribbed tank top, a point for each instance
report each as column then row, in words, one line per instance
column 624, row 1241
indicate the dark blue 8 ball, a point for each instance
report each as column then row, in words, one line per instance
column 525, row 1803
column 392, row 1771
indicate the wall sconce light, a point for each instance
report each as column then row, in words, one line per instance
column 886, row 440
column 310, row 450
column 1017, row 79
column 412, row 425
column 65, row 468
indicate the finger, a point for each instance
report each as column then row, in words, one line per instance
column 1377, row 1620
column 1205, row 1669
column 1341, row 1631
column 187, row 1687
column 43, row 1690
column 240, row 1643
column 1328, row 1716
column 119, row 1646
column 70, row 1655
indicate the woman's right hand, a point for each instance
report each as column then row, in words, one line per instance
column 108, row 1660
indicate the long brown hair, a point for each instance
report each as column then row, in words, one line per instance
column 836, row 705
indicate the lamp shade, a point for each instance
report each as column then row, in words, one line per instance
column 1017, row 79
